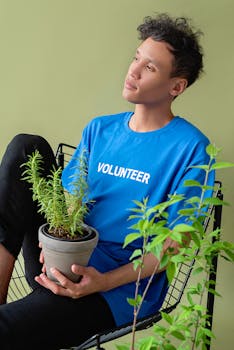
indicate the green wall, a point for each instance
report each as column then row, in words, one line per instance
column 63, row 62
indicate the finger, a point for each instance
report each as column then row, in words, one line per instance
column 40, row 245
column 44, row 281
column 63, row 280
column 43, row 268
column 79, row 270
column 41, row 257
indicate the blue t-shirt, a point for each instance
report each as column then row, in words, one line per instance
column 124, row 165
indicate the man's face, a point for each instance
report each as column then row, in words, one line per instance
column 148, row 79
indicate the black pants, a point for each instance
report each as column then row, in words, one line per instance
column 41, row 320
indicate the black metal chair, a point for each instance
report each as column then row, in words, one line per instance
column 19, row 287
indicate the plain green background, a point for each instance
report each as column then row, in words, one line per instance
column 62, row 62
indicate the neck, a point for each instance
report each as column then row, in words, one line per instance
column 146, row 119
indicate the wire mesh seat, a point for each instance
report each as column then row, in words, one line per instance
column 19, row 287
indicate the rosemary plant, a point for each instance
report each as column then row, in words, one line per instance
column 64, row 212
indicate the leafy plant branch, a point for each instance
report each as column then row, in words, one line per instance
column 151, row 227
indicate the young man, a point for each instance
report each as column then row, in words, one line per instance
column 132, row 155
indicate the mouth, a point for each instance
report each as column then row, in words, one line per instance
column 129, row 85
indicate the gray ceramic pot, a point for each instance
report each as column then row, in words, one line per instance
column 61, row 253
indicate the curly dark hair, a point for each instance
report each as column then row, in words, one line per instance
column 183, row 39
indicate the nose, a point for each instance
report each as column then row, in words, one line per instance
column 135, row 70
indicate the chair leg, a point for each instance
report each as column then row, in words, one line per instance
column 98, row 347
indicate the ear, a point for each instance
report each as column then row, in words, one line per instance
column 178, row 86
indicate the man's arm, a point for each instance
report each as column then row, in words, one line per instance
column 94, row 281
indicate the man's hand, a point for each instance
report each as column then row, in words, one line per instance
column 170, row 247
column 92, row 281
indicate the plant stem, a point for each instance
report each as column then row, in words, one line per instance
column 148, row 285
column 135, row 312
column 197, row 321
column 137, row 308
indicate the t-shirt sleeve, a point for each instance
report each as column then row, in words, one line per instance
column 200, row 157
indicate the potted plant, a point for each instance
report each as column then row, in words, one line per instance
column 65, row 238
column 188, row 327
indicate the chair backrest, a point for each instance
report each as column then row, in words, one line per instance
column 64, row 153
column 19, row 287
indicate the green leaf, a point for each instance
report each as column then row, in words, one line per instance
column 187, row 212
column 130, row 238
column 178, row 335
column 169, row 347
column 199, row 287
column 195, row 239
column 161, row 232
column 212, row 291
column 136, row 210
column 198, row 226
column 206, row 187
column 139, row 204
column 221, row 165
column 193, row 200
column 208, row 332
column 177, row 258
column 198, row 307
column 189, row 183
column 134, row 302
column 184, row 228
column 122, row 347
column 146, row 343
column 171, row 271
column 183, row 347
column 151, row 211
column 137, row 263
column 164, row 261
column 190, row 300
column 214, row 201
column 176, row 236
column 198, row 270
column 141, row 225
column 230, row 254
column 137, row 253
column 167, row 318
column 156, row 250
column 164, row 215
column 131, row 217
column 160, row 238
column 212, row 150
column 204, row 167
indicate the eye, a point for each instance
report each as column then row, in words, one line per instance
column 135, row 58
column 150, row 68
